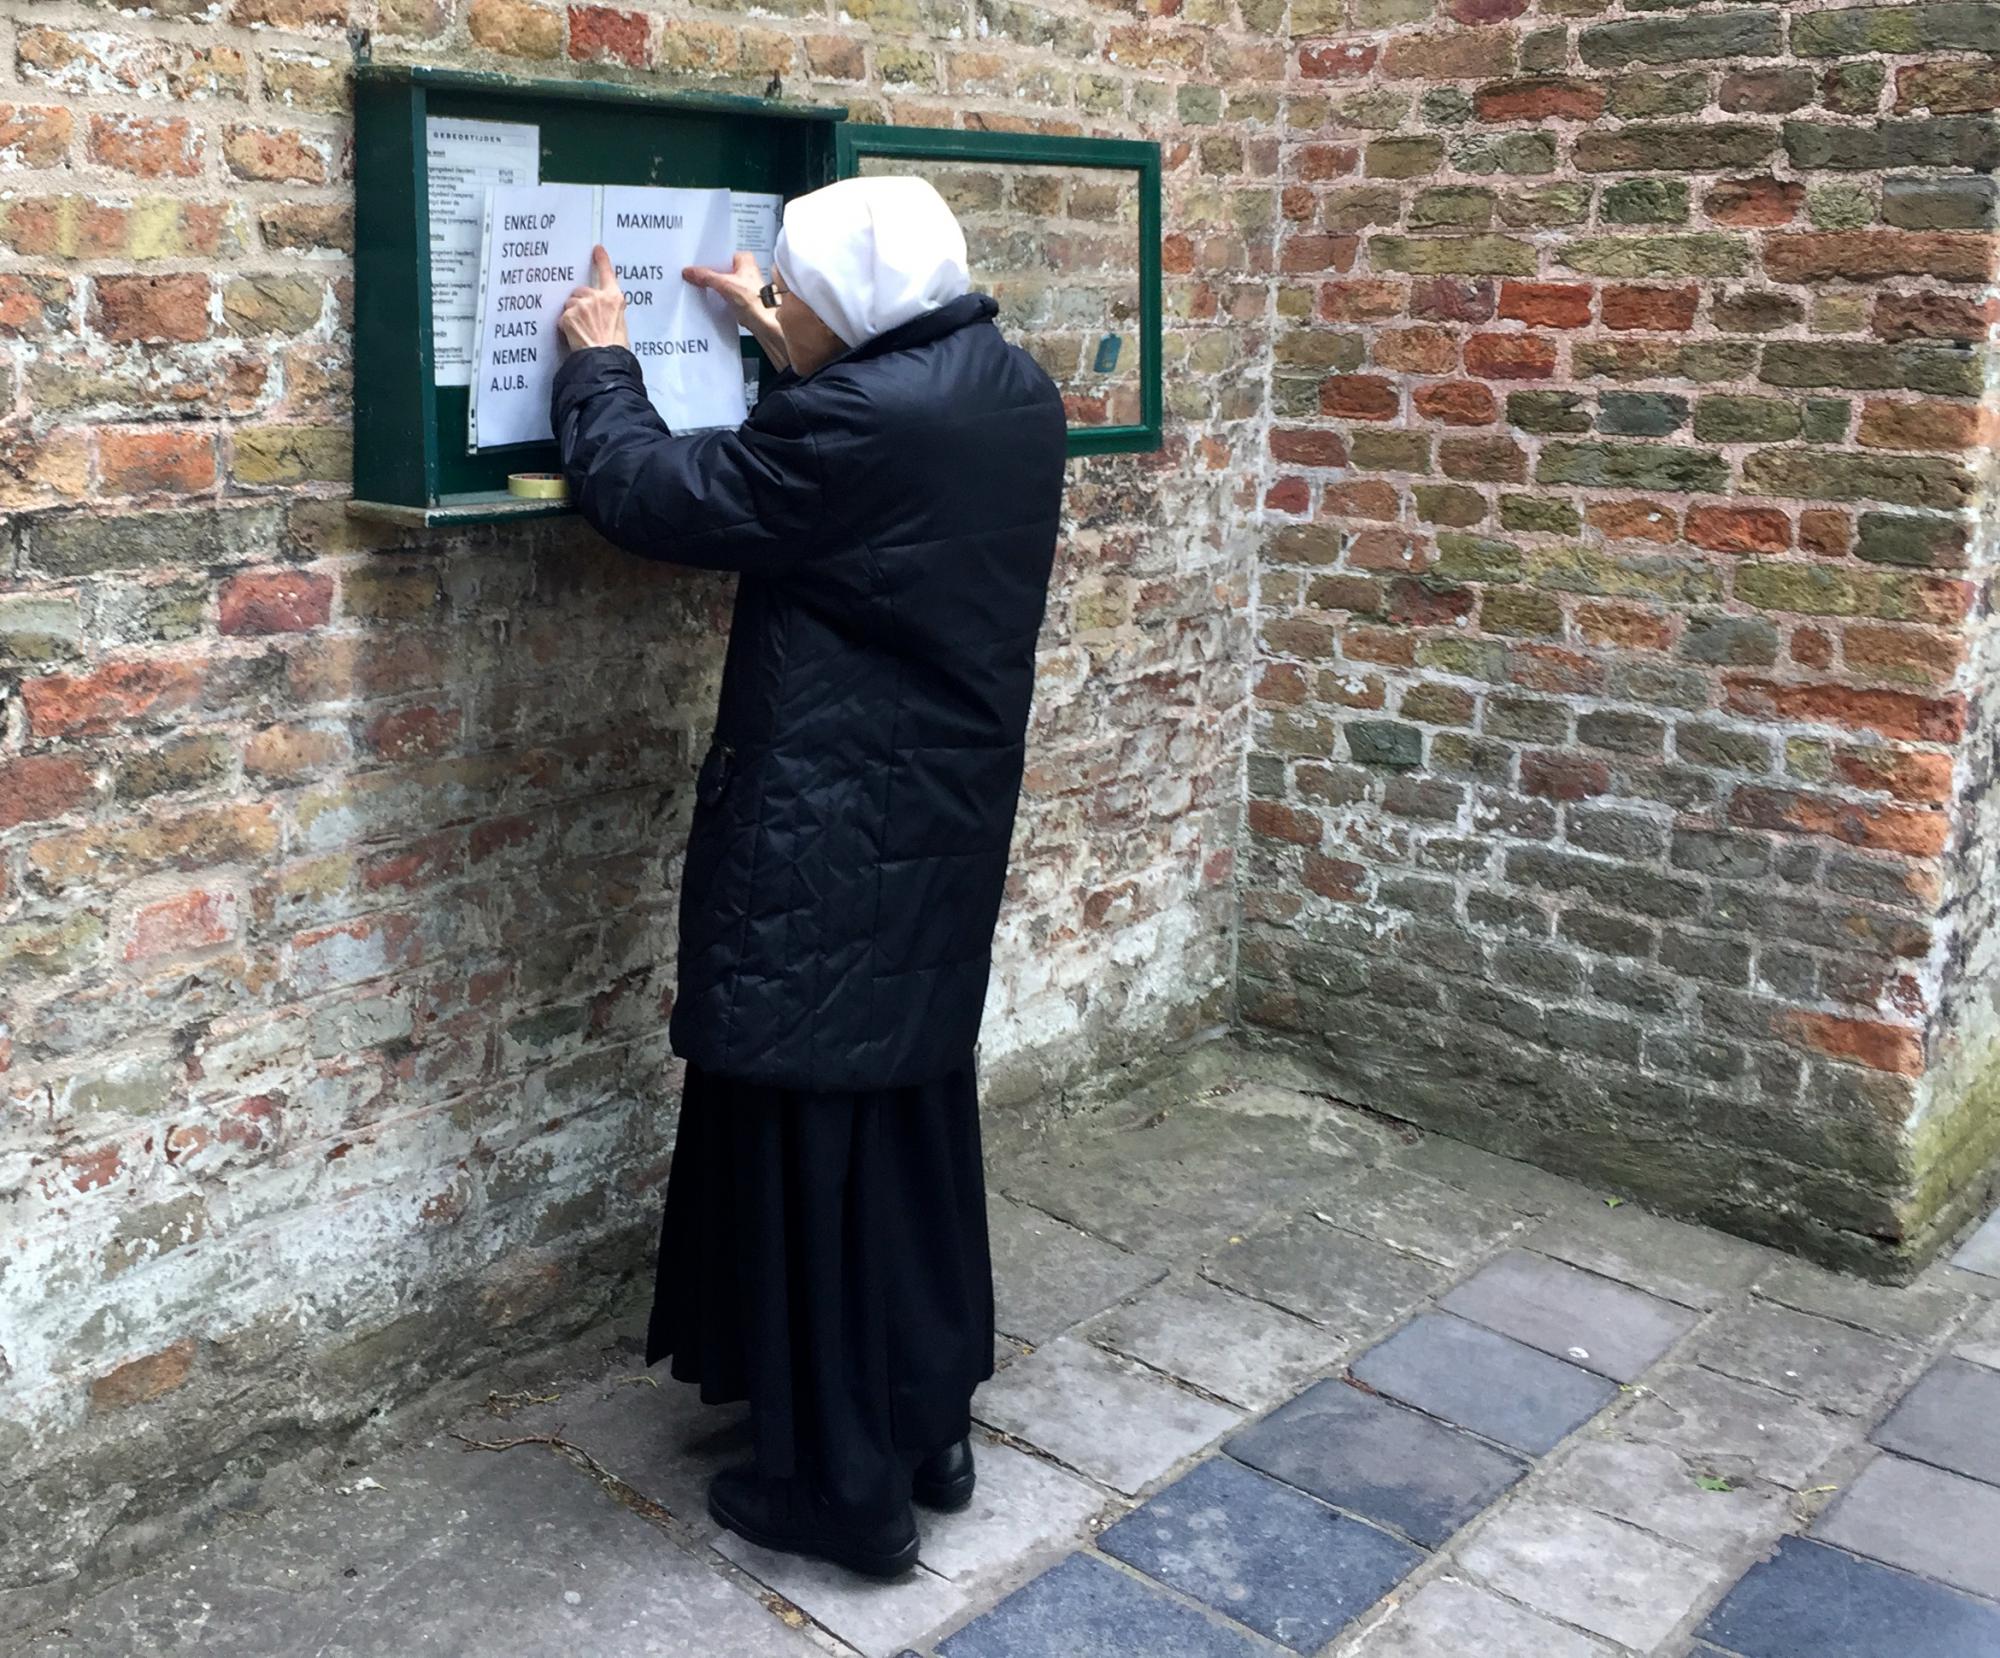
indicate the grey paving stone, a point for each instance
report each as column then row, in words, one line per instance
column 1612, row 1579
column 1811, row 1601
column 1236, row 1348
column 1980, row 1253
column 1379, row 1460
column 1020, row 1505
column 1603, row 1326
column 1352, row 1285
column 1952, row 1418
column 1834, row 1366
column 1424, row 1217
column 876, row 1619
column 1100, row 1414
column 1652, row 1487
column 1694, row 1265
column 1178, row 1184
column 1048, row 1276
column 1486, row 1382
column 1086, row 1608
column 1492, row 1178
column 1921, row 1518
column 1267, row 1555
column 455, row 1553
column 1913, row 1312
column 1450, row 1619
column 1736, row 1428
column 1980, row 1340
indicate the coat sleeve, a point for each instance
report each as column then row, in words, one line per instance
column 746, row 499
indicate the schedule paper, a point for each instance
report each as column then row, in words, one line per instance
column 536, row 248
column 463, row 160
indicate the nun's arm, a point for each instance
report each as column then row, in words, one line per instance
column 746, row 499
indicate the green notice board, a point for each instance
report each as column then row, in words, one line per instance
column 411, row 461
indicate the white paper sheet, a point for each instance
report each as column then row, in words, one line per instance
column 463, row 160
column 683, row 336
column 536, row 248
column 756, row 222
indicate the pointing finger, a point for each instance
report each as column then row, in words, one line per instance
column 601, row 273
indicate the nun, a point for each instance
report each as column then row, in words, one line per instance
column 890, row 509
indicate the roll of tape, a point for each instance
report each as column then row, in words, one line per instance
column 538, row 486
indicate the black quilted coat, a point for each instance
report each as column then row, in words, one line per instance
column 893, row 516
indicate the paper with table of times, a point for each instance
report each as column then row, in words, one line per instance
column 462, row 161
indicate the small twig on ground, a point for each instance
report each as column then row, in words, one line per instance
column 629, row 1493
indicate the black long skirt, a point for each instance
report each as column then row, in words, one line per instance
column 824, row 1256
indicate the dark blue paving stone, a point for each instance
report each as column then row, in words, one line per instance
column 1810, row 1601
column 1289, row 1567
column 1489, row 1383
column 1084, row 1608
column 1378, row 1460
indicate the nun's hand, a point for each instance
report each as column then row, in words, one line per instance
column 741, row 286
column 594, row 314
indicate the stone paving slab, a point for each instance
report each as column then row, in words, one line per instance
column 1492, row 1178
column 1923, row 1519
column 1980, row 1340
column 1087, row 1608
column 1980, row 1253
column 1612, row 1579
column 1421, row 1216
column 1650, row 1486
column 1350, row 1284
column 1223, row 1343
column 463, row 1554
column 1102, row 1415
column 1378, row 1460
column 1908, row 1312
column 1020, row 1505
column 1604, row 1326
column 1833, row 1365
column 877, row 1619
column 1811, row 1601
column 1450, row 1619
column 1735, row 1427
column 1951, row 1418
column 1048, row 1276
column 1261, row 1552
column 1668, row 1258
column 1486, row 1382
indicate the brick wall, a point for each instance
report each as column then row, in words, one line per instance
column 1620, row 792
column 337, row 866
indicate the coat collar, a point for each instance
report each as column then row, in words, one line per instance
column 948, row 318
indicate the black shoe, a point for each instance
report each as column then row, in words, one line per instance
column 944, row 1479
column 784, row 1515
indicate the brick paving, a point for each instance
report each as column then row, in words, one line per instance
column 1275, row 1377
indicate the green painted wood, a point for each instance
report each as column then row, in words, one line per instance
column 484, row 507
column 855, row 141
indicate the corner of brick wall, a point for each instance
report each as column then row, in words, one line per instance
column 1618, row 739
column 337, row 867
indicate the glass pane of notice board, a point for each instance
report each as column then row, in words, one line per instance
column 1070, row 246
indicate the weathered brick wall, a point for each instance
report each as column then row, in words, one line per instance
column 1613, row 722
column 337, row 866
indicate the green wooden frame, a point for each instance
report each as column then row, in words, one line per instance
column 854, row 141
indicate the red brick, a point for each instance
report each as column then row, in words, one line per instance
column 147, row 146
column 1360, row 300
column 1868, row 255
column 155, row 460
column 1283, row 683
column 1415, row 350
column 1930, row 316
column 1627, row 626
column 1936, row 427
column 1634, row 521
column 1328, row 60
column 33, row 306
column 1739, row 529
column 1477, row 12
column 1285, row 823
column 1811, row 647
column 1547, row 304
column 602, row 34
column 1755, row 202
column 1563, row 776
column 1335, row 877
column 1414, row 603
column 1491, row 460
column 276, row 601
column 38, row 787
column 1864, row 1041
column 1384, row 549
column 1894, row 714
column 1359, row 397
column 1551, row 99
column 1881, row 828
column 1317, row 163
column 412, row 733
column 281, row 155
column 1363, row 498
column 1452, row 299
column 181, row 926
column 1510, row 356
column 1827, row 531
column 1555, row 669
column 1921, row 778
column 1317, row 253
column 1308, row 446
column 1289, row 495
column 1458, row 403
column 1667, row 310
column 33, row 135
column 1912, row 655
column 138, row 1380
column 151, row 309
column 69, row 705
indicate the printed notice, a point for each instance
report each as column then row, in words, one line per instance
column 537, row 248
column 756, row 220
column 465, row 159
